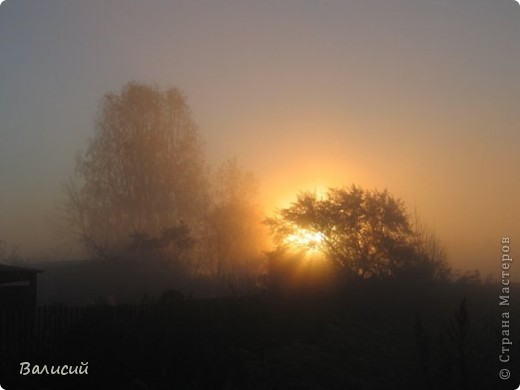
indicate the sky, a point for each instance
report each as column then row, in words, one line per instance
column 416, row 96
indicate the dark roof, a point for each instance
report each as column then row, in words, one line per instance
column 10, row 273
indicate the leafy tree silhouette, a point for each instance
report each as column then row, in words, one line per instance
column 142, row 172
column 366, row 234
column 233, row 220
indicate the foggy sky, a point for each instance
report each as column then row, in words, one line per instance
column 417, row 96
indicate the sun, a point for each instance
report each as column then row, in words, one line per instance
column 305, row 240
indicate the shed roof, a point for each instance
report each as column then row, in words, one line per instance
column 10, row 273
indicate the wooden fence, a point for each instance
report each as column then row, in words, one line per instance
column 33, row 334
column 29, row 334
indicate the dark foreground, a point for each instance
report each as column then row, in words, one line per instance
column 379, row 336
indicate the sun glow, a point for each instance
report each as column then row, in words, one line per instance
column 306, row 240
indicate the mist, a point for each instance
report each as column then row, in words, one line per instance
column 244, row 194
column 307, row 96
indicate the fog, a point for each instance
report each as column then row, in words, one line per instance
column 416, row 97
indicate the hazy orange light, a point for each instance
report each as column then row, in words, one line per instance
column 305, row 240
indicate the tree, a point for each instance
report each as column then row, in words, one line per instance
column 364, row 233
column 9, row 257
column 234, row 223
column 142, row 173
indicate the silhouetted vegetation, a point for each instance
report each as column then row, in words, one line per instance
column 142, row 172
column 357, row 294
column 142, row 187
column 367, row 336
column 366, row 234
column 233, row 222
column 9, row 255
